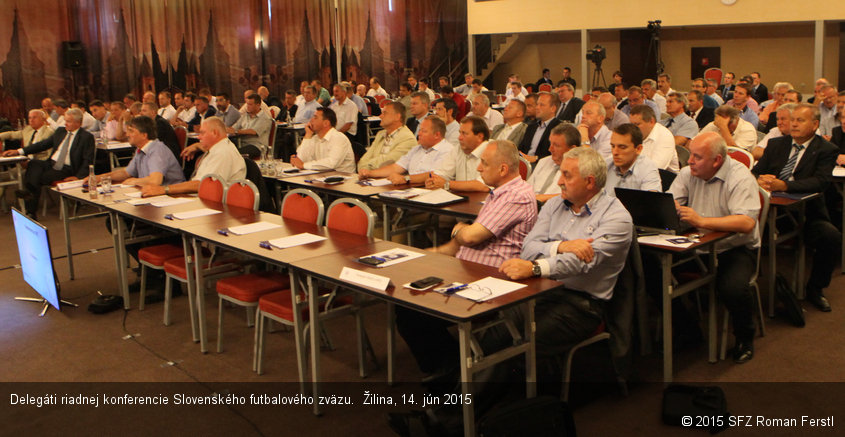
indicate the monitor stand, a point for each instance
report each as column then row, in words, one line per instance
column 46, row 304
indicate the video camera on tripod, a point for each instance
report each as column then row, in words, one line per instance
column 597, row 54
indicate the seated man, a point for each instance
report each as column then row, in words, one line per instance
column 101, row 115
column 392, row 142
column 563, row 138
column 287, row 110
column 481, row 107
column 698, row 112
column 613, row 117
column 682, row 126
column 628, row 167
column 306, row 110
column 226, row 111
column 346, row 112
column 418, row 111
column 636, row 97
column 495, row 236
column 61, row 108
column 802, row 162
column 658, row 142
column 164, row 131
column 71, row 152
column 323, row 147
column 743, row 102
column 535, row 142
column 115, row 128
column 202, row 110
column 592, row 129
column 513, row 129
column 459, row 170
column 717, row 193
column 459, row 99
column 734, row 130
column 416, row 166
column 186, row 111
column 166, row 109
column 152, row 164
column 37, row 130
column 221, row 158
column 783, row 127
column 253, row 128
column 446, row 109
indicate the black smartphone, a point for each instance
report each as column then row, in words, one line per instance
column 291, row 170
column 426, row 282
column 371, row 260
column 333, row 179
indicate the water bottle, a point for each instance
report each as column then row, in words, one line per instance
column 92, row 182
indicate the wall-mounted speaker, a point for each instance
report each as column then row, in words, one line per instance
column 73, row 54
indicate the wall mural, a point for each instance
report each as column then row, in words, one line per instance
column 139, row 45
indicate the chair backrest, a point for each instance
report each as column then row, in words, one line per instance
column 181, row 136
column 765, row 202
column 741, row 156
column 666, row 178
column 683, row 155
column 500, row 98
column 351, row 215
column 525, row 169
column 274, row 111
column 715, row 74
column 380, row 98
column 383, row 102
column 271, row 140
column 212, row 187
column 546, row 87
column 303, row 205
column 266, row 202
column 242, row 193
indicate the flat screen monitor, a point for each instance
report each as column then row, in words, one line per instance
column 36, row 259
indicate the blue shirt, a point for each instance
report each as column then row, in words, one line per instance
column 605, row 220
column 681, row 125
column 643, row 175
column 156, row 157
column 750, row 116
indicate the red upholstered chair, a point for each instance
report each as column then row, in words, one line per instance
column 242, row 193
column 715, row 74
column 546, row 87
column 181, row 136
column 245, row 290
column 351, row 215
column 742, row 156
column 212, row 187
column 525, row 169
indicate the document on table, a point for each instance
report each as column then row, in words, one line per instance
column 146, row 200
column 839, row 171
column 404, row 194
column 395, row 256
column 298, row 173
column 376, row 182
column 72, row 184
column 437, row 196
column 134, row 194
column 666, row 240
column 170, row 201
column 295, row 240
column 195, row 213
column 488, row 288
column 253, row 227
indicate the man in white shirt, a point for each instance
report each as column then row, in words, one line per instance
column 592, row 129
column 664, row 84
column 659, row 143
column 300, row 99
column 459, row 170
column 424, row 87
column 186, row 111
column 563, row 138
column 650, row 90
column 416, row 166
column 166, row 110
column 734, row 130
column 323, row 147
column 446, row 109
column 710, row 91
column 89, row 123
column 306, row 111
column 481, row 108
column 346, row 112
column 221, row 158
column 253, row 128
column 376, row 89
column 784, row 121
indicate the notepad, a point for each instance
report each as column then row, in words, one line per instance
column 184, row 215
column 170, row 201
column 839, row 171
column 377, row 182
column 436, row 197
column 146, row 200
column 666, row 240
column 253, row 227
column 488, row 288
column 296, row 240
column 68, row 185
column 135, row 194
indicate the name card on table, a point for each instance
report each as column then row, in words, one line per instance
column 363, row 278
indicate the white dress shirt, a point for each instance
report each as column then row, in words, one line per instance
column 331, row 152
column 660, row 147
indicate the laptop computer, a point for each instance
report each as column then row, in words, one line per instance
column 652, row 211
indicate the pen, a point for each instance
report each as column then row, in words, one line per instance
column 455, row 288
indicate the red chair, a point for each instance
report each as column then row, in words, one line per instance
column 212, row 187
column 242, row 194
column 246, row 290
column 379, row 99
column 345, row 214
column 525, row 169
column 181, row 136
column 741, row 156
column 546, row 87
column 271, row 139
column 715, row 74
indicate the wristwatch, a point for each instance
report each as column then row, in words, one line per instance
column 535, row 268
column 167, row 189
column 407, row 178
column 446, row 185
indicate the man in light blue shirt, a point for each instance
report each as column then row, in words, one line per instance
column 415, row 167
column 306, row 111
column 628, row 167
column 682, row 126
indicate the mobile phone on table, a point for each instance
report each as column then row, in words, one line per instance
column 371, row 260
column 424, row 283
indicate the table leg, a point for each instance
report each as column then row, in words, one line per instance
column 200, row 295
column 69, row 250
column 531, row 354
column 190, row 265
column 842, row 250
column 666, row 268
column 464, row 334
column 711, row 293
column 119, row 241
column 773, row 251
column 391, row 342
column 386, row 216
column 295, row 277
column 314, row 320
column 799, row 271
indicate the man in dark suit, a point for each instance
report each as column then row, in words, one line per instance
column 726, row 90
column 569, row 104
column 71, row 152
column 547, row 79
column 697, row 110
column 535, row 142
column 802, row 162
column 164, row 131
column 759, row 92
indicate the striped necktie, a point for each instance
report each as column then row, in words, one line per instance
column 60, row 161
column 786, row 173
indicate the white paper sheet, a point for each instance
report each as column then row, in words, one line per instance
column 666, row 240
column 146, row 200
column 195, row 213
column 378, row 182
column 299, row 173
column 134, row 194
column 839, row 171
column 436, row 197
column 253, row 227
column 488, row 288
column 170, row 201
column 396, row 256
column 295, row 240
column 68, row 185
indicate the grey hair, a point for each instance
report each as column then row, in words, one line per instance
column 717, row 144
column 599, row 107
column 39, row 112
column 507, row 153
column 680, row 98
column 483, row 97
column 74, row 113
column 787, row 107
column 590, row 163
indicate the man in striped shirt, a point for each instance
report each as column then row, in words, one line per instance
column 506, row 218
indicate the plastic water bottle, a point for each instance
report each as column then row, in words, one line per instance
column 92, row 182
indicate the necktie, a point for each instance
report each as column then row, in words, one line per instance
column 32, row 138
column 786, row 173
column 669, row 124
column 63, row 152
column 549, row 180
